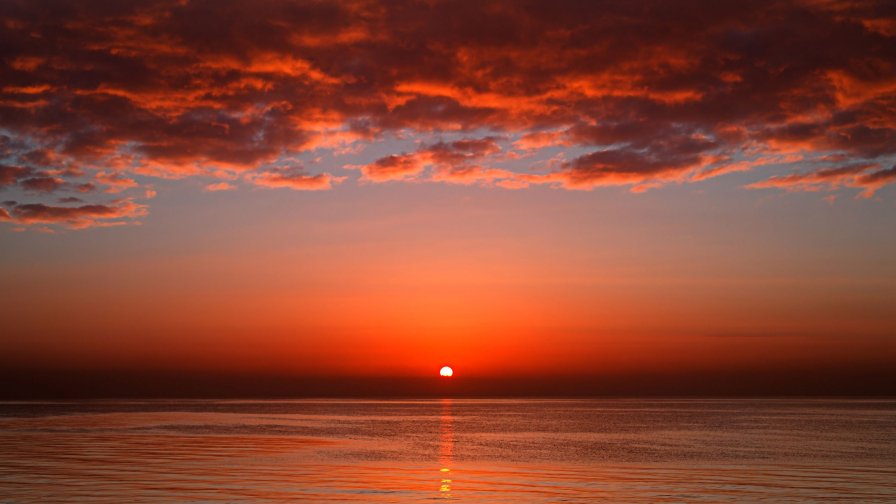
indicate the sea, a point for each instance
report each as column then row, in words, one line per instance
column 469, row 450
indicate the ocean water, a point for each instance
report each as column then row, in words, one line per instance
column 615, row 450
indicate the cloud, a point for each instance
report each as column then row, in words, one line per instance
column 85, row 187
column 878, row 178
column 115, row 182
column 864, row 176
column 393, row 167
column 296, row 179
column 451, row 160
column 461, row 151
column 220, row 186
column 666, row 158
column 468, row 175
column 540, row 140
column 9, row 175
column 42, row 184
column 116, row 213
column 639, row 94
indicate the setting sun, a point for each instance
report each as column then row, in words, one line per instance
column 446, row 372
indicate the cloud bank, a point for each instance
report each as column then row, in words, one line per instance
column 99, row 98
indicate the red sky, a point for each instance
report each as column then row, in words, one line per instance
column 532, row 189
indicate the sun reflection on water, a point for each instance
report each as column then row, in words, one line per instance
column 446, row 448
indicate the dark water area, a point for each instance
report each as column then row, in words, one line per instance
column 488, row 450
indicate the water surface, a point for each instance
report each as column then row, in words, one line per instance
column 421, row 450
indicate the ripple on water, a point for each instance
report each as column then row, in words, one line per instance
column 497, row 451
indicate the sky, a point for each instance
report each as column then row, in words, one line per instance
column 551, row 197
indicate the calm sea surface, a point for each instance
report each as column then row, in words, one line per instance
column 486, row 450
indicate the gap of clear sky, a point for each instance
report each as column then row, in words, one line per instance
column 547, row 196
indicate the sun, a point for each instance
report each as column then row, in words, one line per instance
column 446, row 372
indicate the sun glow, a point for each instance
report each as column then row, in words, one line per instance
column 446, row 371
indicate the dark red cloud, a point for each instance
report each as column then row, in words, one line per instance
column 9, row 175
column 461, row 151
column 879, row 177
column 655, row 91
column 666, row 157
column 115, row 182
column 863, row 176
column 116, row 213
column 447, row 158
column 42, row 184
column 292, row 178
column 85, row 187
column 220, row 186
column 394, row 167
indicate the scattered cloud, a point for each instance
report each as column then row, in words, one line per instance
column 864, row 176
column 220, row 186
column 393, row 167
column 118, row 212
column 9, row 175
column 296, row 179
column 42, row 184
column 115, row 182
column 97, row 96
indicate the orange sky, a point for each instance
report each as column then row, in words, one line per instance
column 489, row 292
column 356, row 189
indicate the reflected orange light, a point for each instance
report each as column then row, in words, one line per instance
column 446, row 446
